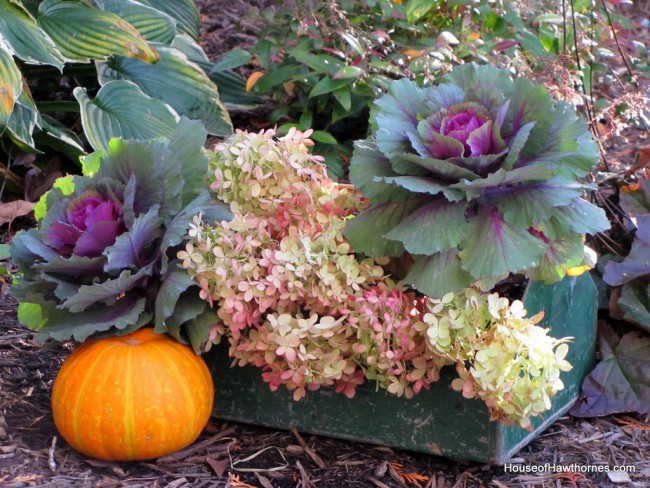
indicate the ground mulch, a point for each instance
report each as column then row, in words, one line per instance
column 237, row 455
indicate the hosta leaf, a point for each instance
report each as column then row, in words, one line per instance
column 11, row 86
column 127, row 252
column 57, row 136
column 437, row 226
column 492, row 247
column 25, row 38
column 526, row 204
column 23, row 120
column 366, row 230
column 192, row 50
column 152, row 24
column 120, row 109
column 438, row 274
column 183, row 11
column 83, row 33
column 107, row 292
column 177, row 81
column 620, row 382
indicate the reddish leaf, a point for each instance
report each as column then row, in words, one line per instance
column 12, row 210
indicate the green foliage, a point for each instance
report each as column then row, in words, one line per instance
column 323, row 71
column 102, row 259
column 475, row 179
column 122, row 68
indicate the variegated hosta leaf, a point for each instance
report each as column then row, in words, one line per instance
column 10, row 86
column 120, row 109
column 83, row 33
column 24, row 38
column 183, row 11
column 154, row 25
column 22, row 122
column 177, row 81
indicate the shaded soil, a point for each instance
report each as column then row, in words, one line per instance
column 238, row 455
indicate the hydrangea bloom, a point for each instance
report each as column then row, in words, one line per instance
column 293, row 299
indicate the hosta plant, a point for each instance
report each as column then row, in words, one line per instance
column 102, row 258
column 294, row 299
column 75, row 74
column 475, row 178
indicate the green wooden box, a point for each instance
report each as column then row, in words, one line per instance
column 436, row 421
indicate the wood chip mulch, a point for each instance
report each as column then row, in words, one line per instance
column 239, row 455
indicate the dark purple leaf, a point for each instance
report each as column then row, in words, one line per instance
column 63, row 237
column 621, row 381
column 97, row 238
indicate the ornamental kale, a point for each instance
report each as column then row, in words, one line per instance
column 102, row 258
column 475, row 178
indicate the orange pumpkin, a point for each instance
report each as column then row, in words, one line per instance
column 131, row 398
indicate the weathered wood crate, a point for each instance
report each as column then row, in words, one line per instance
column 436, row 421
